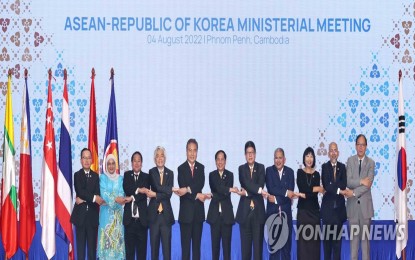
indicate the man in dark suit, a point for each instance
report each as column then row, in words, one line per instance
column 85, row 214
column 220, row 215
column 333, row 207
column 280, row 191
column 359, row 206
column 160, row 213
column 136, row 185
column 251, row 209
column 191, row 179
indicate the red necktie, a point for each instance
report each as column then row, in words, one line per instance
column 192, row 168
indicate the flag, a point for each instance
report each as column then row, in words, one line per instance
column 111, row 136
column 27, row 227
column 92, row 136
column 49, row 176
column 64, row 182
column 400, row 187
column 9, row 195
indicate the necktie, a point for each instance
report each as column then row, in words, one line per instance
column 192, row 169
column 87, row 176
column 251, row 205
column 334, row 172
column 221, row 174
column 135, row 209
column 160, row 208
column 360, row 166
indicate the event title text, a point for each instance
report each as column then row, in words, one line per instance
column 217, row 24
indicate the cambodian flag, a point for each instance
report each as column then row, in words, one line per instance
column 400, row 187
column 111, row 136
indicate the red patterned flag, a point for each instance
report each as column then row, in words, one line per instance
column 9, row 195
column 49, row 176
column 27, row 207
column 93, row 136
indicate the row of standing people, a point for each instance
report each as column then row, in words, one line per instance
column 338, row 183
column 114, row 192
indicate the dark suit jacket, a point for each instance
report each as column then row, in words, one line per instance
column 163, row 191
column 220, row 190
column 251, row 186
column 86, row 213
column 190, row 207
column 278, row 187
column 333, row 207
column 130, row 186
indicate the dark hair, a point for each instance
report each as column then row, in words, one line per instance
column 250, row 144
column 192, row 141
column 279, row 150
column 85, row 149
column 307, row 151
column 364, row 137
column 135, row 153
column 218, row 152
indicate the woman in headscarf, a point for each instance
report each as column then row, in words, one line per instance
column 111, row 230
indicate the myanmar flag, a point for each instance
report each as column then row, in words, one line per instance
column 9, row 195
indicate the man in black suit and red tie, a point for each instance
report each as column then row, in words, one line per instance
column 333, row 207
column 160, row 213
column 136, row 186
column 191, row 179
column 220, row 215
column 85, row 214
column 251, row 209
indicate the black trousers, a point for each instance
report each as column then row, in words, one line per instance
column 86, row 234
column 218, row 231
column 332, row 241
column 191, row 233
column 160, row 229
column 285, row 251
column 135, row 240
column 252, row 233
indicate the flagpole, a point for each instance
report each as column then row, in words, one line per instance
column 92, row 132
column 404, row 250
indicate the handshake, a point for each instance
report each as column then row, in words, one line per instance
column 290, row 194
column 200, row 196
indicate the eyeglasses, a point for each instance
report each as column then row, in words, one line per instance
column 360, row 144
column 86, row 158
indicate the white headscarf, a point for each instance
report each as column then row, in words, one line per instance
column 113, row 176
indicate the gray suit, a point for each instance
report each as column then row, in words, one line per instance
column 360, row 206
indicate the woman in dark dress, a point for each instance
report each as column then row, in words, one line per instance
column 308, row 209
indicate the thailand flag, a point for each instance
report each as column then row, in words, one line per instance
column 400, row 187
column 64, row 182
column 111, row 136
